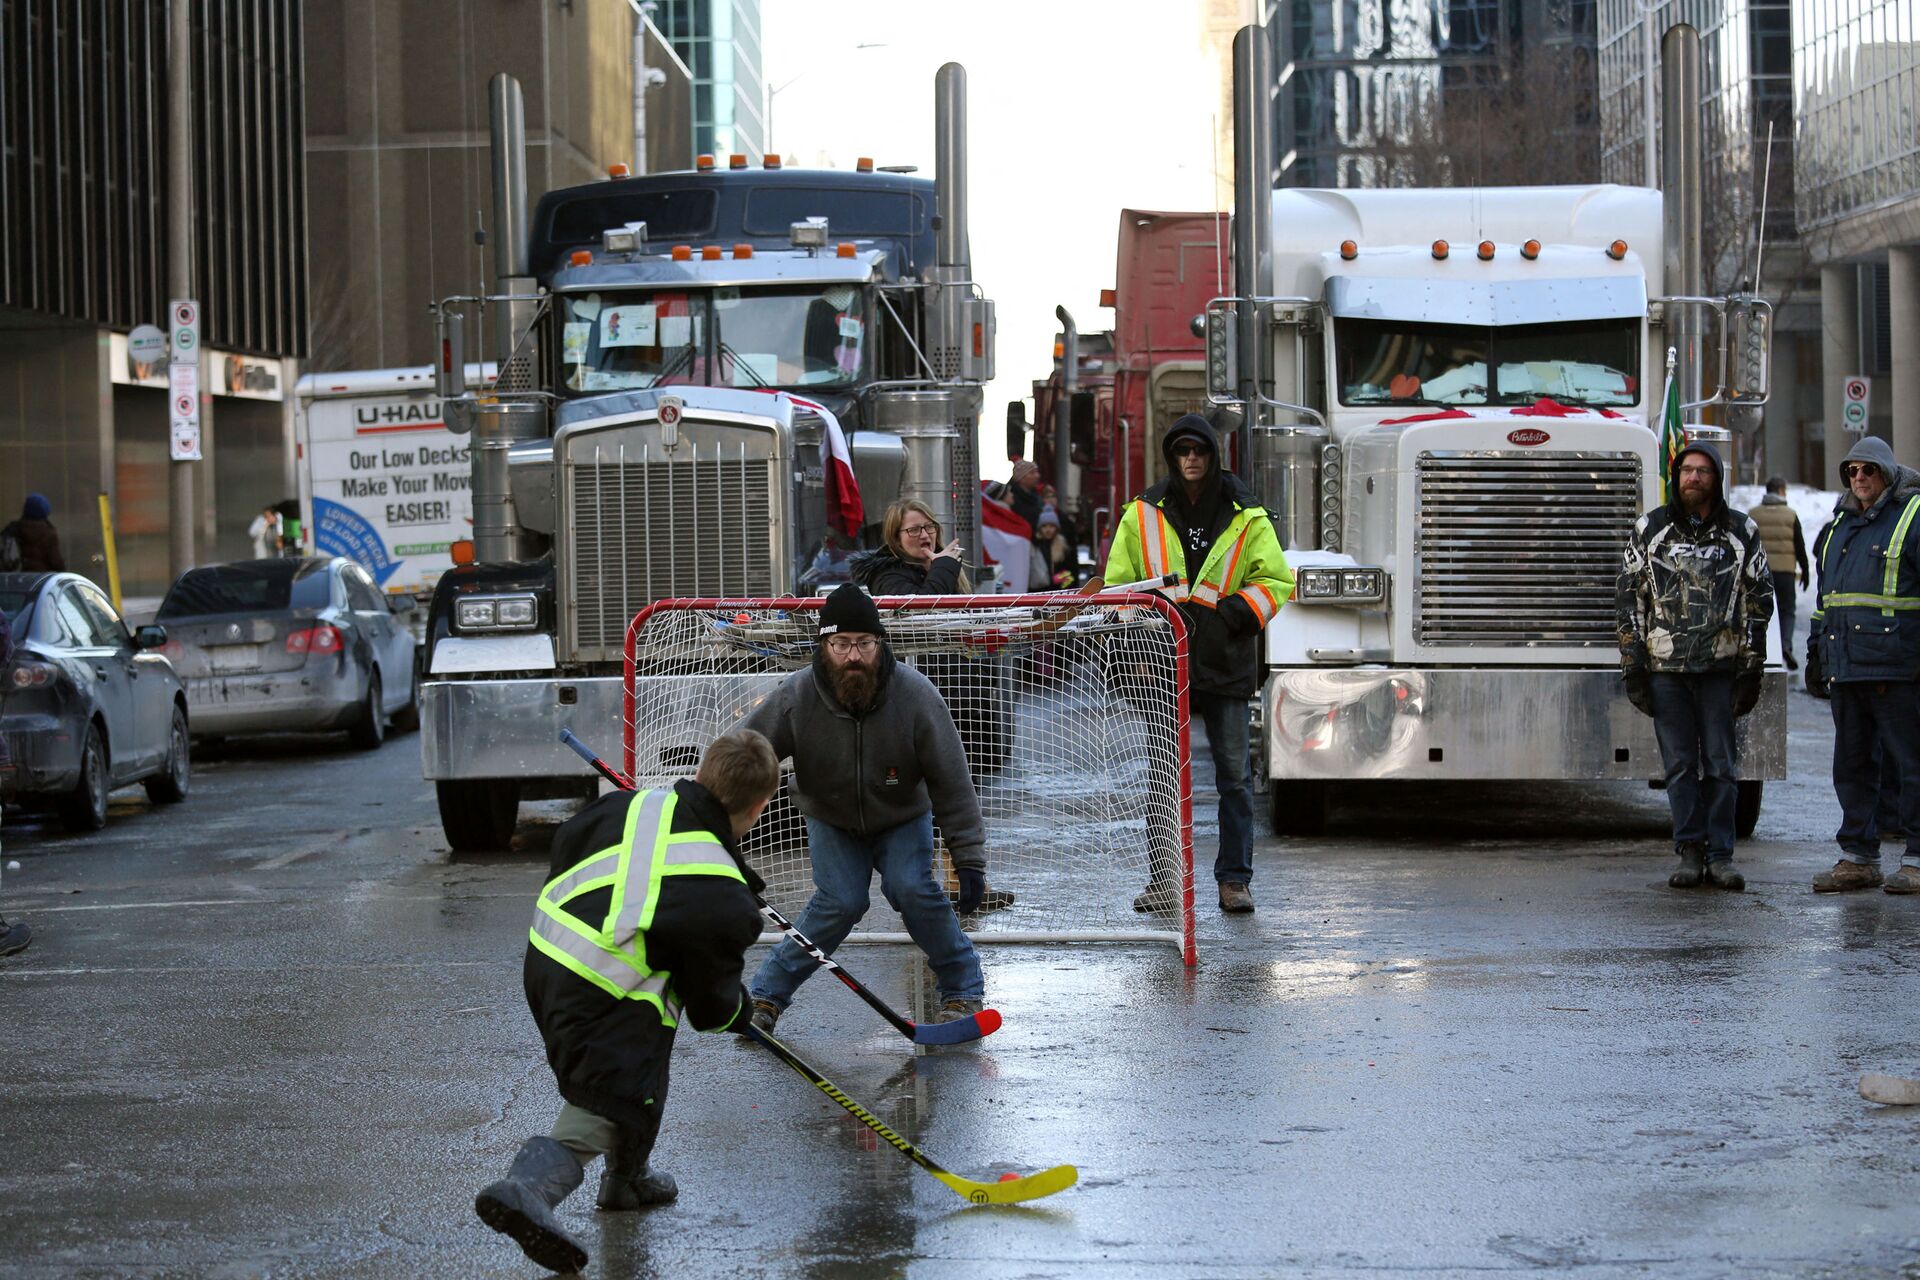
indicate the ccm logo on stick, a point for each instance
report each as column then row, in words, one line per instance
column 1528, row 436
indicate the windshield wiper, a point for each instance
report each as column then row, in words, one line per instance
column 681, row 358
column 741, row 366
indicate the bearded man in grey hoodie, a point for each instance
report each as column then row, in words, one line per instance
column 876, row 762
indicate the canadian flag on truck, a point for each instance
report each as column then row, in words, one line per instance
column 844, row 511
column 1008, row 542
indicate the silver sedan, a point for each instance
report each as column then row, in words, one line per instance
column 271, row 646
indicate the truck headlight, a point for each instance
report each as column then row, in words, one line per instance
column 1343, row 586
column 1363, row 585
column 1319, row 584
column 496, row 613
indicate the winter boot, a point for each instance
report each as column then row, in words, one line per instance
column 954, row 1010
column 765, row 1014
column 1157, row 896
column 1845, row 876
column 1693, row 865
column 1905, row 880
column 627, row 1182
column 14, row 937
column 1236, row 899
column 521, row 1204
column 1722, row 874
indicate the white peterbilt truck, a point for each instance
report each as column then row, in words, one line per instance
column 1451, row 400
column 672, row 349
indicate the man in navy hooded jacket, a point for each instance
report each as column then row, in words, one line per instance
column 1693, row 603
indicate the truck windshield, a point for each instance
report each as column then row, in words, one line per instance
column 1584, row 362
column 728, row 337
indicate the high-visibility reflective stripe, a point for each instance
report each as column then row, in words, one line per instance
column 1156, row 547
column 1233, row 559
column 702, row 851
column 1261, row 601
column 1885, row 604
column 651, row 814
column 600, row 867
column 1890, row 579
column 566, row 941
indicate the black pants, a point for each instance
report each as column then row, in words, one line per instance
column 1784, row 598
column 1876, row 743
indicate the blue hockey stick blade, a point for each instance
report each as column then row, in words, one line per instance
column 959, row 1031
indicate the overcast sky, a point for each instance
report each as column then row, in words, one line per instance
column 1077, row 109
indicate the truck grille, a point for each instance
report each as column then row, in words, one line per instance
column 1521, row 549
column 649, row 527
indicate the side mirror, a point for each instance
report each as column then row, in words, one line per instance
column 402, row 604
column 1080, row 426
column 1749, row 335
column 1016, row 430
column 151, row 636
column 1223, row 353
column 450, row 380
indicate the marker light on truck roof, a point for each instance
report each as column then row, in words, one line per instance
column 1486, row 251
column 1530, row 250
column 769, row 162
column 1617, row 250
column 1440, row 248
column 683, row 253
column 1349, row 250
column 617, row 170
column 582, row 258
column 704, row 163
column 863, row 165
column 736, row 161
column 743, row 251
column 845, row 249
column 710, row 253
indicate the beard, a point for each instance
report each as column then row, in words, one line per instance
column 853, row 686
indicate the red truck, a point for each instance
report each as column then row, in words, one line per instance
column 1129, row 383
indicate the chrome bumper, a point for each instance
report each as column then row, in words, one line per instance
column 1505, row 724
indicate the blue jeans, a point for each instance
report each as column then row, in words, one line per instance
column 1693, row 720
column 843, row 867
column 1876, row 765
column 1227, row 722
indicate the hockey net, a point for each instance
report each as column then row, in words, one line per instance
column 1073, row 713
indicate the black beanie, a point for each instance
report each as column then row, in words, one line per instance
column 850, row 609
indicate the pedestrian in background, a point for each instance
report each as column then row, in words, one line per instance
column 13, row 937
column 1867, row 637
column 1055, row 550
column 910, row 560
column 1023, row 492
column 1204, row 525
column 644, row 922
column 38, row 540
column 1786, row 550
column 1693, row 602
column 876, row 761
column 265, row 532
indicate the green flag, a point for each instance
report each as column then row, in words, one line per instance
column 1673, row 436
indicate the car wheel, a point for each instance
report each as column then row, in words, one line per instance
column 407, row 718
column 478, row 814
column 85, row 807
column 170, row 785
column 371, row 729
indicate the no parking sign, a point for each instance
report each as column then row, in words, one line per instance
column 183, row 381
column 1853, row 407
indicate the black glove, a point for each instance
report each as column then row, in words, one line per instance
column 973, row 889
column 1639, row 691
column 1746, row 692
column 1816, row 670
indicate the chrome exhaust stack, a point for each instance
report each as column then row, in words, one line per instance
column 1681, row 179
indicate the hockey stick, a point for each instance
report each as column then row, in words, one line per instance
column 1009, row 1190
column 958, row 1031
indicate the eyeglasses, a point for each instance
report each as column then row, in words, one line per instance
column 844, row 645
column 908, row 530
column 1852, row 469
column 1191, row 451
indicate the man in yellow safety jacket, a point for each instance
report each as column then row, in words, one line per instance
column 644, row 922
column 1204, row 525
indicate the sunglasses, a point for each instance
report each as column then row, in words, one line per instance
column 1191, row 451
column 1852, row 469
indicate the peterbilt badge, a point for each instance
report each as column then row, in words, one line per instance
column 1528, row 436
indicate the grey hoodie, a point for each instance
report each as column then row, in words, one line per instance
column 1900, row 480
column 868, row 773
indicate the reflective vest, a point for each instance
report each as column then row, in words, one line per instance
column 1245, row 561
column 611, row 953
column 1887, row 600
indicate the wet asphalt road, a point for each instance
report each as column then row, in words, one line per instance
column 276, row 1031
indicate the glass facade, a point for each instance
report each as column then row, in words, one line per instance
column 1856, row 93
column 719, row 40
column 1433, row 92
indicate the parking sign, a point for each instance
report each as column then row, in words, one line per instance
column 1853, row 407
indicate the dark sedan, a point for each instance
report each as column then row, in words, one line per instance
column 270, row 646
column 86, row 705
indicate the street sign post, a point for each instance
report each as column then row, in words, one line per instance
column 183, row 381
column 1853, row 406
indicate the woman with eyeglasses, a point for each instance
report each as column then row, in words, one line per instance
column 911, row 561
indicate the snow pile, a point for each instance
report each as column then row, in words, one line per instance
column 1813, row 506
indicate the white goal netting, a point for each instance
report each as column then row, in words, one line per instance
column 1072, row 712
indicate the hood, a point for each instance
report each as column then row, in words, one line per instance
column 1905, row 480
column 1189, row 426
column 1706, row 450
column 36, row 508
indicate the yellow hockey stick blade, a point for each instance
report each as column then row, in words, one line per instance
column 1013, row 1190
